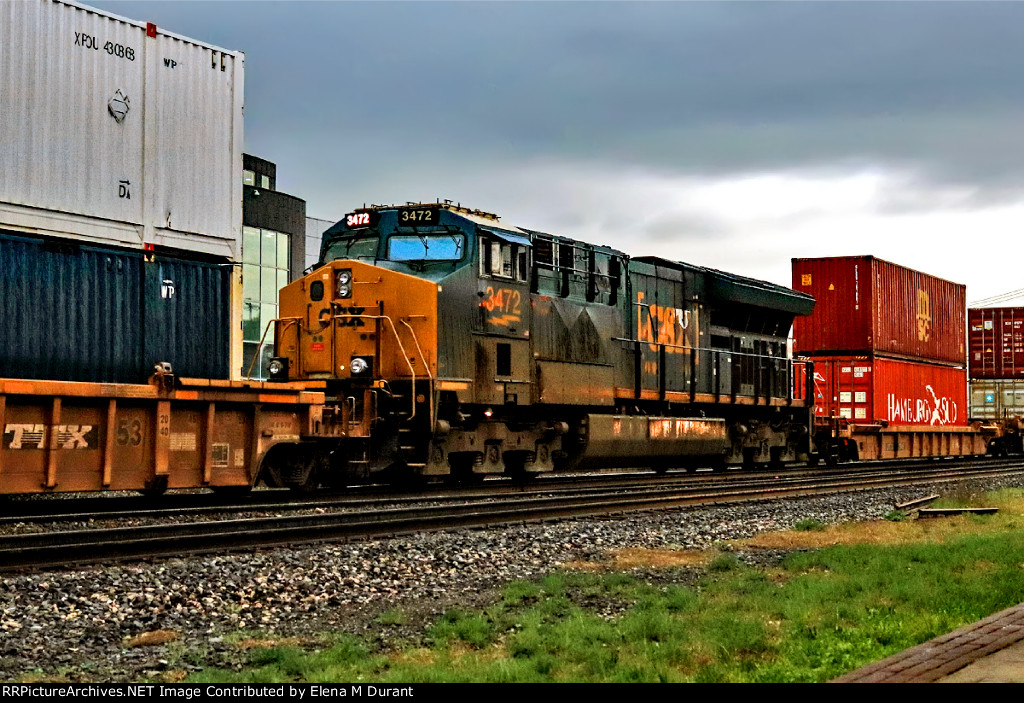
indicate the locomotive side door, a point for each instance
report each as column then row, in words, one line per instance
column 503, row 328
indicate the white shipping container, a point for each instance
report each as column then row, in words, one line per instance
column 115, row 132
column 997, row 398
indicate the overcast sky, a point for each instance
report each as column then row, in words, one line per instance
column 726, row 134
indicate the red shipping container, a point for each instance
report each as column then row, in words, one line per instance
column 996, row 342
column 875, row 390
column 866, row 305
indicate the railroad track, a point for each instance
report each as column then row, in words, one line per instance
column 60, row 508
column 79, row 547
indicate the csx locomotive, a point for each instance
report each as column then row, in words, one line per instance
column 449, row 343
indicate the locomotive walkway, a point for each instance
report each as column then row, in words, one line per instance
column 988, row 651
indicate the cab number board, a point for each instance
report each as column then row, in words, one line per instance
column 418, row 216
column 362, row 219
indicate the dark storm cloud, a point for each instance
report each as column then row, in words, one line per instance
column 358, row 92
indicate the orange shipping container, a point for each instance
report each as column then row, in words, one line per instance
column 874, row 390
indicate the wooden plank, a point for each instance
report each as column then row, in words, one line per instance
column 916, row 502
column 943, row 512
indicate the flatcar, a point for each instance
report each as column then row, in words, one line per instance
column 449, row 343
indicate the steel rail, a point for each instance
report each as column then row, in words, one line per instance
column 75, row 548
column 108, row 508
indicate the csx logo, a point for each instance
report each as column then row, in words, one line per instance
column 924, row 316
column 662, row 325
column 342, row 316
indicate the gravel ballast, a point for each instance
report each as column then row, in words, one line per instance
column 162, row 620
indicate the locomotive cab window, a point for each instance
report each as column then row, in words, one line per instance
column 426, row 247
column 351, row 248
column 603, row 273
column 501, row 259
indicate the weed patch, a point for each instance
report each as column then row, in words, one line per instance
column 809, row 524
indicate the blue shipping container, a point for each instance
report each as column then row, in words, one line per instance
column 74, row 312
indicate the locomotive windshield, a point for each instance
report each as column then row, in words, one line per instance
column 351, row 248
column 426, row 247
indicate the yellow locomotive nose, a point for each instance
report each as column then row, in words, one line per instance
column 352, row 320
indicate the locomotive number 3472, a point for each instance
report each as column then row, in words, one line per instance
column 503, row 300
column 417, row 216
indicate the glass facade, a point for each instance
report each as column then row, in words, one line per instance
column 264, row 273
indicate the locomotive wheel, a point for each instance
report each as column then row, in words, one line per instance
column 399, row 474
column 515, row 468
column 294, row 467
column 302, row 475
column 462, row 464
column 271, row 476
column 831, row 456
column 463, row 475
column 748, row 458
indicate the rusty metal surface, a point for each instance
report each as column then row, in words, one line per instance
column 996, row 340
column 614, row 439
column 90, row 437
column 867, row 305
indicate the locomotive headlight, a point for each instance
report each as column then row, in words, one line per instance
column 359, row 366
column 278, row 369
column 343, row 283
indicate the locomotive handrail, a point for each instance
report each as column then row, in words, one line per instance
column 290, row 320
column 707, row 349
column 430, row 376
column 401, row 347
column 716, row 356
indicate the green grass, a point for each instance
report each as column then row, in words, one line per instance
column 392, row 617
column 809, row 524
column 817, row 615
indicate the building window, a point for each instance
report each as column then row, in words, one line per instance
column 249, row 178
column 265, row 182
column 264, row 273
